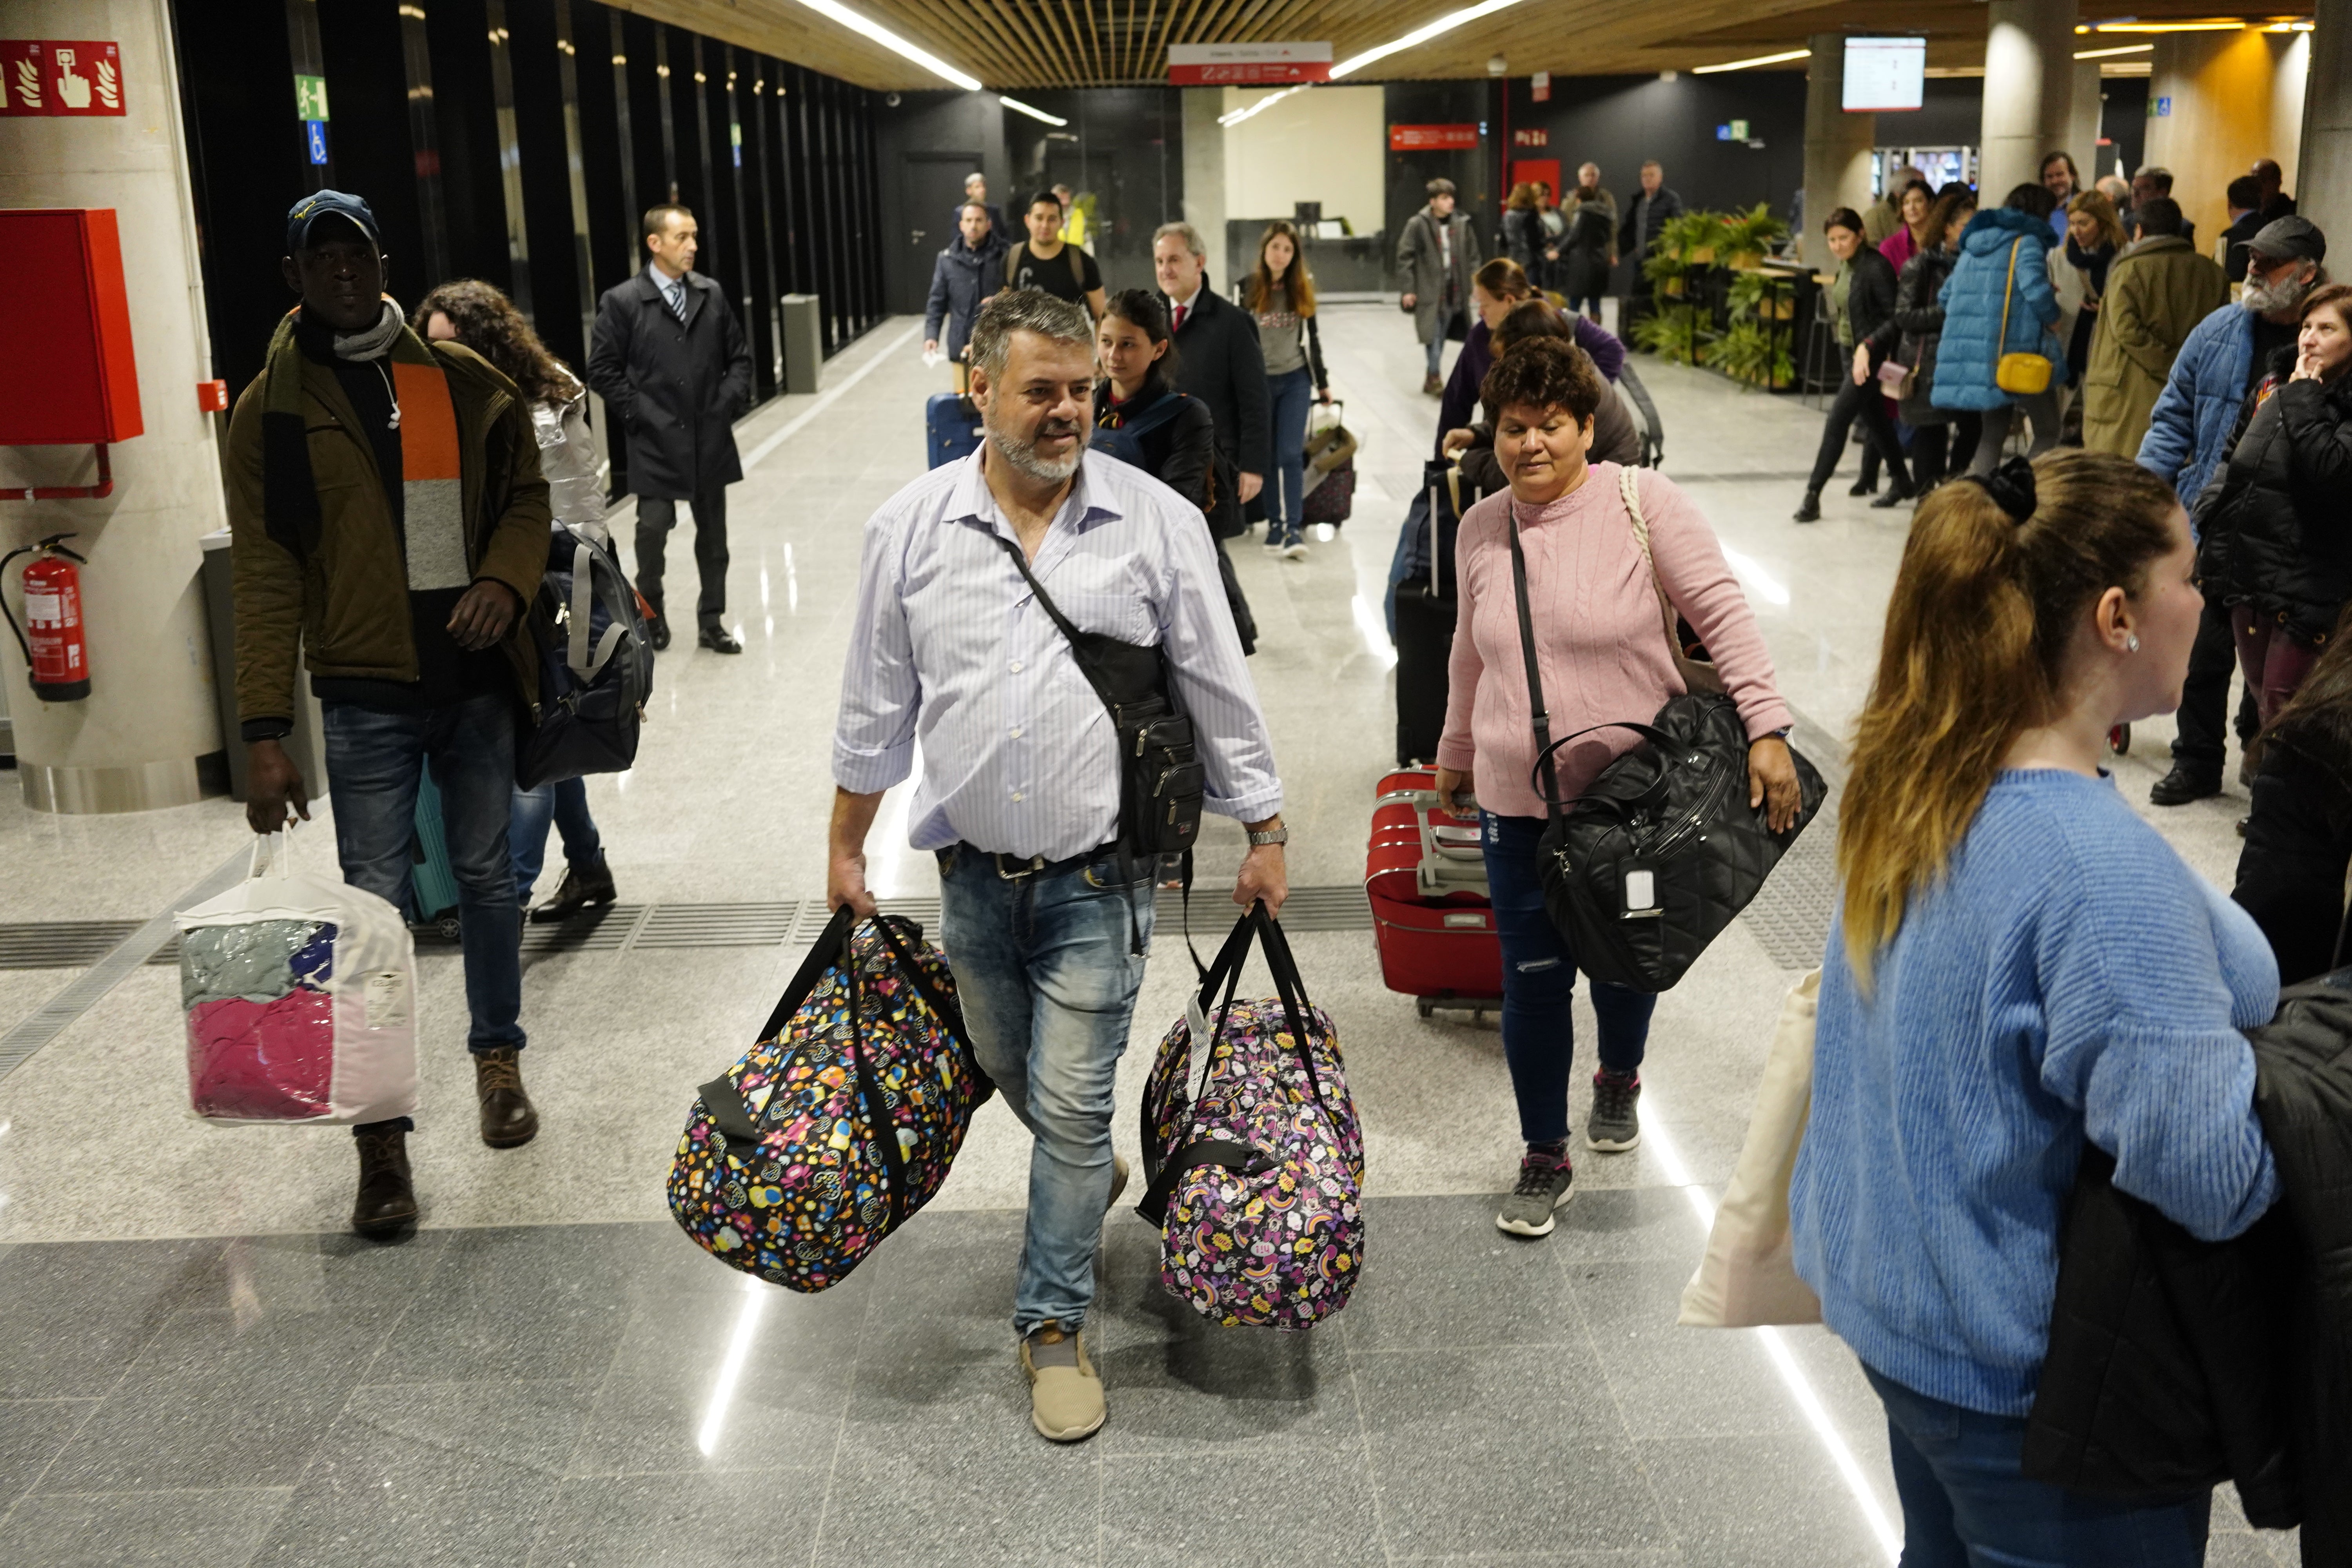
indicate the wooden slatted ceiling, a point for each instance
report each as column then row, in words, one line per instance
column 1045, row 44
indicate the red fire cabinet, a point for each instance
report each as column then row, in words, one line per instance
column 68, row 377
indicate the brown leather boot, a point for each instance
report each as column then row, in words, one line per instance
column 387, row 1200
column 507, row 1119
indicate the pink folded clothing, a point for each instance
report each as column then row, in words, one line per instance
column 263, row 1061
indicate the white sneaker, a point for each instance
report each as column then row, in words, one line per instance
column 1294, row 551
column 1273, row 547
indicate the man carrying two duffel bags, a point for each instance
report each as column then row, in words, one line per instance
column 971, row 576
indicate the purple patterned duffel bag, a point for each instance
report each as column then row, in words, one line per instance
column 1257, row 1180
column 842, row 1121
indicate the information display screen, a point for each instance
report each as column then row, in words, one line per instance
column 1884, row 74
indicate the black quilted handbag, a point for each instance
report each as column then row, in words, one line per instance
column 1645, row 868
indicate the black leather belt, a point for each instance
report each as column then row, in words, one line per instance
column 1021, row 868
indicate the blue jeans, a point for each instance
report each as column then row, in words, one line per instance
column 1436, row 347
column 1047, row 979
column 1538, row 981
column 565, row 803
column 371, row 768
column 1288, row 394
column 1966, row 1503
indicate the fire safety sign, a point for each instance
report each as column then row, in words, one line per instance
column 57, row 76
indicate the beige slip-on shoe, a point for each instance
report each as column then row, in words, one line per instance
column 1065, row 1403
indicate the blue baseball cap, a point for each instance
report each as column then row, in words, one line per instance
column 328, row 204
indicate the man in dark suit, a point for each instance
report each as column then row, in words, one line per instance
column 670, row 361
column 1218, row 361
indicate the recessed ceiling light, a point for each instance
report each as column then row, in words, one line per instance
column 1758, row 60
column 865, row 26
column 1419, row 35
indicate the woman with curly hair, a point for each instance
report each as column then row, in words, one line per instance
column 477, row 315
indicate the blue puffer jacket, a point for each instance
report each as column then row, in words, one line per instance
column 2189, row 435
column 1972, row 297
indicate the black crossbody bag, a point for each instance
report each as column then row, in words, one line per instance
column 1161, row 778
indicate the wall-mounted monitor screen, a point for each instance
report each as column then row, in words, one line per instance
column 1884, row 74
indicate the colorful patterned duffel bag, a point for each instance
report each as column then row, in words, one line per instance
column 785, row 1170
column 1257, row 1183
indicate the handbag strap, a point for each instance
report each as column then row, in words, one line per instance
column 2000, row 345
column 1547, row 782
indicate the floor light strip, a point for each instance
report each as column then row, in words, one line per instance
column 1662, row 1147
column 747, row 1324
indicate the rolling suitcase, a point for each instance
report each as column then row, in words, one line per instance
column 951, row 429
column 1330, row 493
column 432, row 885
column 1422, row 610
column 1425, row 878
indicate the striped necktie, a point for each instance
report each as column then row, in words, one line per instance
column 674, row 290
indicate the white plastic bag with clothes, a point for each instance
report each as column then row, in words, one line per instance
column 299, row 994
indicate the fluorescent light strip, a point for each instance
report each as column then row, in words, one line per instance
column 1235, row 117
column 1660, row 1143
column 2169, row 28
column 747, row 1322
column 1018, row 107
column 865, row 28
column 1421, row 35
column 1758, row 60
column 2121, row 49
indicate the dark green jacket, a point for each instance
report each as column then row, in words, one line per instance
column 347, row 606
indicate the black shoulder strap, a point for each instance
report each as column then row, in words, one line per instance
column 1170, row 403
column 1549, row 780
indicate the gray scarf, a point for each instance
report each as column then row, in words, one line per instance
column 376, row 341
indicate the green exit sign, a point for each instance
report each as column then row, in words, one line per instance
column 309, row 97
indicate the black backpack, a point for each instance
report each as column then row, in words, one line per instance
column 595, row 667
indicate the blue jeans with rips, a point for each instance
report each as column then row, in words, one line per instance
column 1539, row 982
column 1967, row 1504
column 1047, row 977
column 373, row 762
column 1289, row 397
column 564, row 803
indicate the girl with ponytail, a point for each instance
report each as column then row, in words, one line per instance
column 2019, row 965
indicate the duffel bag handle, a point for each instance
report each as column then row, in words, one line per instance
column 1224, row 974
column 1542, row 769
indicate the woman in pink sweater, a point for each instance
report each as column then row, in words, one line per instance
column 1602, row 655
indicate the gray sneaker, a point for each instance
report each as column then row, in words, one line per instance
column 1544, row 1185
column 1614, row 1124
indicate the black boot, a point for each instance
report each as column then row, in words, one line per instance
column 1897, row 492
column 509, row 1119
column 1811, row 511
column 387, row 1199
column 2183, row 784
column 1864, row 486
column 583, row 886
column 659, row 630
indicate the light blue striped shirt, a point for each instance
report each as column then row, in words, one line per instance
column 951, row 648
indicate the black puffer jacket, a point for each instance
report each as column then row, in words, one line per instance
column 1870, row 298
column 1916, row 327
column 2272, row 521
column 2176, row 1364
column 2299, row 839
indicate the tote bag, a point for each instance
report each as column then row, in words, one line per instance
column 1746, row 1278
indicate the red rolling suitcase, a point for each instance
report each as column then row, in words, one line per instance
column 1426, row 878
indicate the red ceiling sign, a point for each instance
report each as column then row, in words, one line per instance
column 1433, row 138
column 1248, row 65
column 59, row 76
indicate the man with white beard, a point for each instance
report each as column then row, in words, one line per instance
column 2187, row 437
column 1045, row 895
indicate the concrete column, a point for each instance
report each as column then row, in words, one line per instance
column 2235, row 96
column 1204, row 173
column 1837, row 145
column 137, row 740
column 2323, row 176
column 2029, row 91
column 2082, row 137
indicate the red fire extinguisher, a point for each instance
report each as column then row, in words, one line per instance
column 56, row 655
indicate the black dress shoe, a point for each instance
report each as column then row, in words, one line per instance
column 1864, row 488
column 718, row 640
column 1895, row 496
column 659, row 631
column 583, row 886
column 2180, row 786
column 509, row 1119
column 387, row 1199
column 1809, row 511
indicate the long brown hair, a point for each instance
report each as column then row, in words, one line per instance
column 1295, row 279
column 1976, row 631
column 489, row 323
column 2329, row 296
column 1522, row 197
column 1504, row 279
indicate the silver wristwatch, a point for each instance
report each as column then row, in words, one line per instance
column 1273, row 836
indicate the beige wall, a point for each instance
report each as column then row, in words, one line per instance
column 1328, row 144
column 2236, row 97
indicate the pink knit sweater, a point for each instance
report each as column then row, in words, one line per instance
column 1600, row 643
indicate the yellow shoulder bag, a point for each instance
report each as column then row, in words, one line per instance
column 2024, row 374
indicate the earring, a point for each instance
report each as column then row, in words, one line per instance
column 2131, row 642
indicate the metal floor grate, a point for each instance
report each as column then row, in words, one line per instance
column 1790, row 915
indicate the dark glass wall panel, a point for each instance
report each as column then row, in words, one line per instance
column 238, row 100
column 466, row 116
column 547, row 178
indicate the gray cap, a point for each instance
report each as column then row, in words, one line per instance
column 2290, row 240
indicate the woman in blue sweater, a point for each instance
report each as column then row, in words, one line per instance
column 2019, row 965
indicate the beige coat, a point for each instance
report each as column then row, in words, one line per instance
column 2157, row 291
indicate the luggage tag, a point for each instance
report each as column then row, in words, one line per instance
column 1637, row 889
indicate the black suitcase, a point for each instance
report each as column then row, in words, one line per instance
column 951, row 428
column 1424, row 642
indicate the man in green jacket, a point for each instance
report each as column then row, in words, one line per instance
column 2157, row 291
column 388, row 519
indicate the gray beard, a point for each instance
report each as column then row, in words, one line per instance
column 2265, row 299
column 1022, row 455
